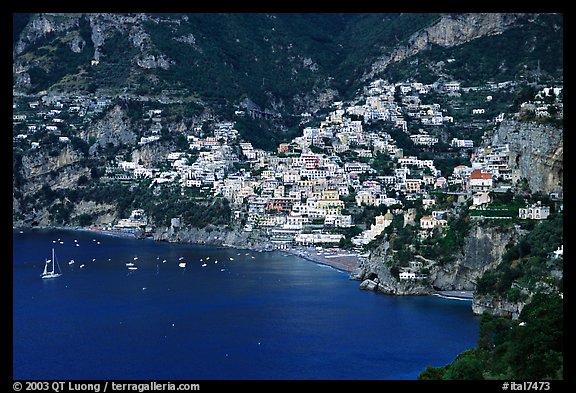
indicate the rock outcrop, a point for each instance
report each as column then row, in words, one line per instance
column 113, row 129
column 536, row 153
column 212, row 235
column 448, row 31
column 482, row 251
column 60, row 170
column 497, row 307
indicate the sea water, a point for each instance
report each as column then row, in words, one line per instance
column 228, row 314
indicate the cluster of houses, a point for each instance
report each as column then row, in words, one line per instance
column 298, row 195
column 489, row 170
column 57, row 114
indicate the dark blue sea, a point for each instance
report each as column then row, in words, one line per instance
column 244, row 315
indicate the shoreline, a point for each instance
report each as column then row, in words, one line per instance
column 345, row 263
column 107, row 232
column 455, row 295
column 341, row 260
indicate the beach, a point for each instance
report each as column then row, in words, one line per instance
column 338, row 259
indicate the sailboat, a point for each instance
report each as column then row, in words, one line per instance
column 54, row 272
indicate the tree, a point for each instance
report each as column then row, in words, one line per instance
column 466, row 367
column 432, row 373
column 82, row 180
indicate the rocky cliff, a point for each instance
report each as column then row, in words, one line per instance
column 497, row 307
column 482, row 251
column 375, row 274
column 114, row 129
column 536, row 153
column 58, row 168
column 211, row 235
column 448, row 31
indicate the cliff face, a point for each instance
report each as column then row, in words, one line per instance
column 61, row 170
column 113, row 129
column 536, row 153
column 375, row 274
column 497, row 307
column 448, row 31
column 211, row 235
column 483, row 250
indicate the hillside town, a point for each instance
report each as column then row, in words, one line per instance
column 308, row 191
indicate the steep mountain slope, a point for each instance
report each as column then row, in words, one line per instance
column 474, row 48
column 284, row 62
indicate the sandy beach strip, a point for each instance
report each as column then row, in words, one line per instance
column 346, row 262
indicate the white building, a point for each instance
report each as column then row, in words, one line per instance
column 424, row 139
column 452, row 86
column 431, row 222
column 381, row 223
column 308, row 239
column 465, row 143
column 534, row 212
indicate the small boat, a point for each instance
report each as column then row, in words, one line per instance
column 53, row 273
column 129, row 264
column 133, row 268
column 71, row 262
column 81, row 266
column 182, row 264
column 231, row 258
column 204, row 265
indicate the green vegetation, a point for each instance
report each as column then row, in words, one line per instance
column 501, row 205
column 530, row 348
column 446, row 243
column 162, row 203
column 349, row 233
column 537, row 45
column 263, row 134
column 527, row 263
column 193, row 208
column 56, row 60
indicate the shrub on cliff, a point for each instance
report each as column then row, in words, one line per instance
column 528, row 349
